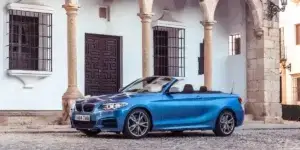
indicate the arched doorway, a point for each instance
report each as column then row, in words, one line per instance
column 260, row 73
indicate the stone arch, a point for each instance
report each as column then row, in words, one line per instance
column 208, row 8
column 256, row 8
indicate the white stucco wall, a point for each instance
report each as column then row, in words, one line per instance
column 47, row 93
column 288, row 20
column 231, row 18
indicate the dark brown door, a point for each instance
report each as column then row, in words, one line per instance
column 298, row 88
column 102, row 64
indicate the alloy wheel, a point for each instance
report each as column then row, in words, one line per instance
column 138, row 123
column 227, row 123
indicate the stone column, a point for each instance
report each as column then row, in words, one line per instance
column 263, row 76
column 208, row 26
column 270, row 75
column 146, row 19
column 72, row 93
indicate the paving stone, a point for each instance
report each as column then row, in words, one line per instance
column 241, row 139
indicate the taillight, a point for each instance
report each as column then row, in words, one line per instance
column 240, row 100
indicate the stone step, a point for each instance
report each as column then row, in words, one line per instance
column 16, row 118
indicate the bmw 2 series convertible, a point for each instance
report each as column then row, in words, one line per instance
column 158, row 103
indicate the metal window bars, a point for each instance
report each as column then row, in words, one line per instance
column 169, row 51
column 235, row 44
column 30, row 40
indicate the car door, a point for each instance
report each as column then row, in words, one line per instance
column 187, row 110
column 180, row 109
column 204, row 106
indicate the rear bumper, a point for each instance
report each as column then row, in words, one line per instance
column 240, row 116
column 105, row 121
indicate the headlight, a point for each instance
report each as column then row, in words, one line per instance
column 113, row 106
column 73, row 107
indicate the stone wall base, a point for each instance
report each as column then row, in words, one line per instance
column 267, row 112
column 276, row 120
column 270, row 119
column 36, row 118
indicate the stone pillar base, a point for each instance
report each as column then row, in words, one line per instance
column 29, row 117
column 3, row 120
column 267, row 112
column 275, row 120
column 273, row 111
column 68, row 100
column 269, row 119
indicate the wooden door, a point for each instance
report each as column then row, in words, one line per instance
column 102, row 64
column 298, row 89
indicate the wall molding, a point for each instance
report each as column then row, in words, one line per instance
column 168, row 24
column 28, row 78
column 295, row 75
column 166, row 20
column 30, row 7
column 22, row 113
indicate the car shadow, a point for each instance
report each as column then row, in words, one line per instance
column 156, row 135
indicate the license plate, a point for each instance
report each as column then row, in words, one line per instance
column 82, row 117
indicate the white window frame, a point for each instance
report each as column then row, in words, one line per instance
column 27, row 77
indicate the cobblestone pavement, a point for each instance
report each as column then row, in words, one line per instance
column 240, row 140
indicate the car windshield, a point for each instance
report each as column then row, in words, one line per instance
column 149, row 84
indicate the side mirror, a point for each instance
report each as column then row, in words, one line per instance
column 173, row 90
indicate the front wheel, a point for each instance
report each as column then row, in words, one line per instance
column 137, row 124
column 225, row 124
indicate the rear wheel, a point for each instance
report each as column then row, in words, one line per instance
column 90, row 133
column 225, row 124
column 137, row 124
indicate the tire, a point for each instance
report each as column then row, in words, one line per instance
column 135, row 128
column 90, row 133
column 225, row 127
column 177, row 132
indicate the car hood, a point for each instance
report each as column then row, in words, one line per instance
column 107, row 98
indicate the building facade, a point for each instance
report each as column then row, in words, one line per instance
column 53, row 53
column 290, row 52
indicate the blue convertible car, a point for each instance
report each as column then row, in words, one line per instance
column 158, row 103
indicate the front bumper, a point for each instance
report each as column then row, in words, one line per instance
column 102, row 120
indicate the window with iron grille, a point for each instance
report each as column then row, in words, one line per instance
column 201, row 59
column 235, row 44
column 296, row 89
column 30, row 40
column 169, row 51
